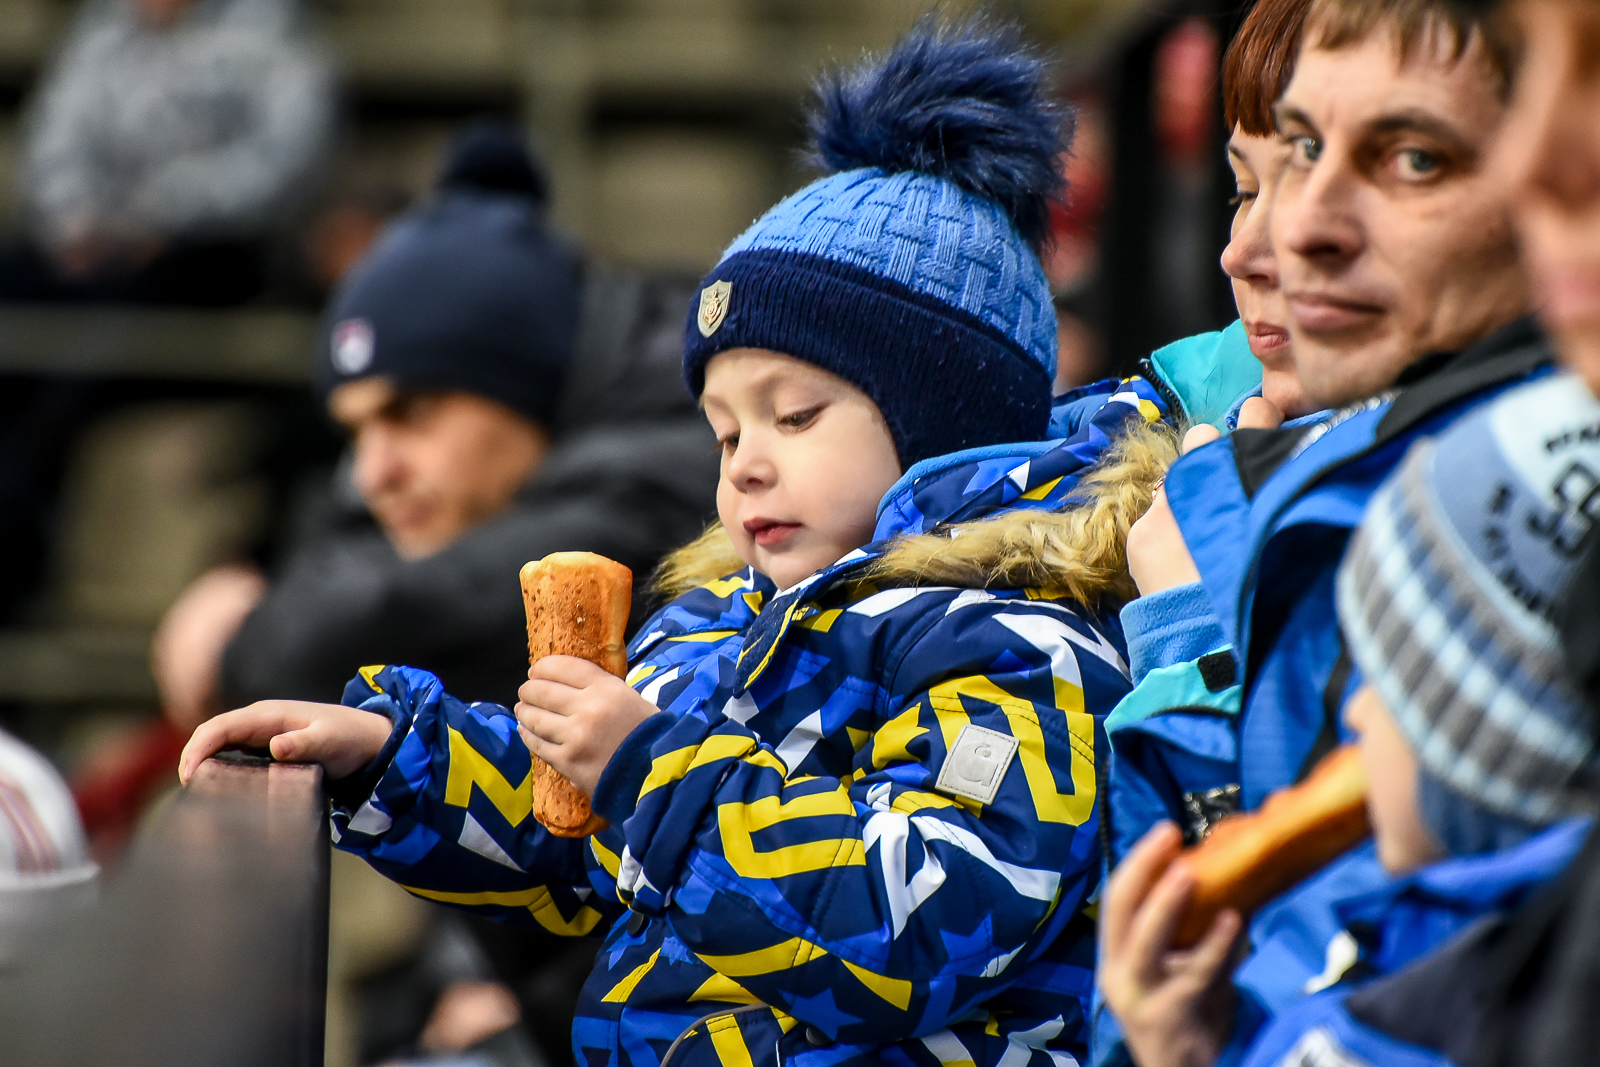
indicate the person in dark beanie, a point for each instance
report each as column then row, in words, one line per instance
column 504, row 399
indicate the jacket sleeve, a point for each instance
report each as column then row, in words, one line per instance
column 1169, row 627
column 63, row 181
column 888, row 902
column 1174, row 738
column 450, row 814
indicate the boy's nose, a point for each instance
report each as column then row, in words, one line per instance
column 749, row 469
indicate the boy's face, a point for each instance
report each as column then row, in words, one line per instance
column 806, row 457
column 1404, row 842
column 1551, row 155
column 1392, row 238
column 1257, row 164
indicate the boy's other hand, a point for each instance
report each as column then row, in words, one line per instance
column 574, row 715
column 343, row 740
column 1175, row 1007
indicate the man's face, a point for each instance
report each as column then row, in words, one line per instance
column 431, row 465
column 1392, row 239
column 1550, row 155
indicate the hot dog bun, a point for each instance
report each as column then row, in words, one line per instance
column 577, row 604
column 1250, row 858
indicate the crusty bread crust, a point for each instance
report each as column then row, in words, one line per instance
column 577, row 604
column 1250, row 858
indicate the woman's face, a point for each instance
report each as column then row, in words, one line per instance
column 1257, row 165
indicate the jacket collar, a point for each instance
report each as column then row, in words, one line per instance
column 1408, row 916
column 1427, row 387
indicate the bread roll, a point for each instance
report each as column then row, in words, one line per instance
column 577, row 604
column 1250, row 858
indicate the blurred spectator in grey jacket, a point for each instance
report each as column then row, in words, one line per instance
column 166, row 139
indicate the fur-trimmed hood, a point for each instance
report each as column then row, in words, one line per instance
column 1049, row 515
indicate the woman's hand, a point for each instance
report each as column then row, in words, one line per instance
column 1158, row 556
column 1175, row 1007
column 575, row 715
column 343, row 740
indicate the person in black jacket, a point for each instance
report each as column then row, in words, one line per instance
column 504, row 400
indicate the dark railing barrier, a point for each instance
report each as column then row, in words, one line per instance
column 209, row 944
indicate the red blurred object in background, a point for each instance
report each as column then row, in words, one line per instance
column 1187, row 65
column 114, row 789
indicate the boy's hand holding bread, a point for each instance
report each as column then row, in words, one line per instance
column 575, row 710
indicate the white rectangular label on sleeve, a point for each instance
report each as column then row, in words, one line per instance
column 977, row 763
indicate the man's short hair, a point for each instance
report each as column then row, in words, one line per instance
column 1259, row 63
column 1414, row 25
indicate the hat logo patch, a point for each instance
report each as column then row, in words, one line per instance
column 713, row 307
column 352, row 346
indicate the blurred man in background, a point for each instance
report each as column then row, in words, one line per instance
column 165, row 142
column 504, row 399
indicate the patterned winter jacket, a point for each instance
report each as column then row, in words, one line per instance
column 863, row 826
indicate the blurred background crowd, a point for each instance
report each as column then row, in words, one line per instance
column 183, row 185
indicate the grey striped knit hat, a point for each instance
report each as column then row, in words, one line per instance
column 1448, row 592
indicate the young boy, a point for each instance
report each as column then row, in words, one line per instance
column 861, row 825
column 1478, row 755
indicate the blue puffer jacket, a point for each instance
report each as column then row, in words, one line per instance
column 1405, row 1000
column 1266, row 515
column 863, row 826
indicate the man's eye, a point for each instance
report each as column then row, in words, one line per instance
column 1416, row 163
column 1243, row 196
column 1306, row 147
column 415, row 409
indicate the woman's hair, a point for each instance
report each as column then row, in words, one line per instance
column 1259, row 63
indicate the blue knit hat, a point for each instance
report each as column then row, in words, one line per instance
column 913, row 271
column 473, row 291
column 1447, row 596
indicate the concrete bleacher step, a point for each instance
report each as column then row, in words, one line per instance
column 76, row 665
column 269, row 347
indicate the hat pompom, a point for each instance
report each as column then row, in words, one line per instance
column 966, row 103
column 494, row 156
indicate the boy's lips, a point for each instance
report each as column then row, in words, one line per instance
column 768, row 533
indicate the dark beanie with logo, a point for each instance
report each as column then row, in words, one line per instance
column 472, row 291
